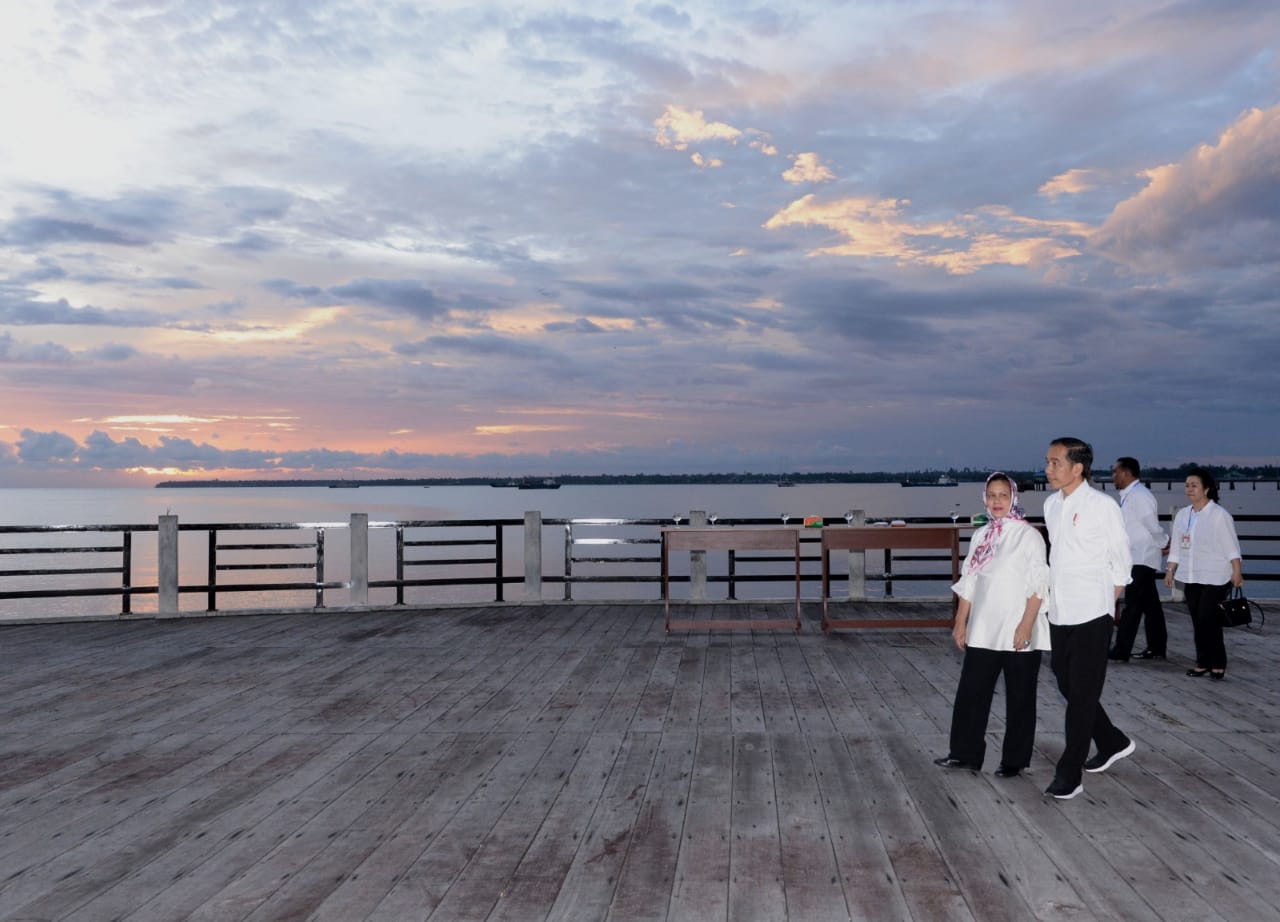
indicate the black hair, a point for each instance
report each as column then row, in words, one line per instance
column 1130, row 465
column 1078, row 452
column 1207, row 480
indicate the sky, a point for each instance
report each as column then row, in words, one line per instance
column 354, row 238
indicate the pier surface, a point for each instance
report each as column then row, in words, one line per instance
column 573, row 762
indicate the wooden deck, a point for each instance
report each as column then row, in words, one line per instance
column 573, row 762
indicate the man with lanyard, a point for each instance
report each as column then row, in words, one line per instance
column 1146, row 541
column 1089, row 566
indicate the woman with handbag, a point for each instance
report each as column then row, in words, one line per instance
column 1204, row 555
column 998, row 626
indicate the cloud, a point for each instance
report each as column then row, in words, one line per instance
column 114, row 352
column 677, row 127
column 251, row 243
column 705, row 162
column 882, row 229
column 808, row 168
column 45, row 447
column 1219, row 206
column 39, row 231
column 20, row 312
column 1072, row 182
column 401, row 294
column 48, row 353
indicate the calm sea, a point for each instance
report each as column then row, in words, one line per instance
column 324, row 504
column 310, row 504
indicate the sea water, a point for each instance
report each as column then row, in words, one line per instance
column 664, row 502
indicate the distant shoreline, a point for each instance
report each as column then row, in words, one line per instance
column 583, row 479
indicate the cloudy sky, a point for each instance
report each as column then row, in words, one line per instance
column 348, row 237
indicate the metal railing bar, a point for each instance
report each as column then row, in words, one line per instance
column 461, row 542
column 443, row 561
column 310, row 545
column 61, row 572
column 69, row 593
column 266, row 566
column 108, row 549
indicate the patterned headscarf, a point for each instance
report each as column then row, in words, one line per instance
column 983, row 553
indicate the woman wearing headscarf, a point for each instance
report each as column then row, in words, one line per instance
column 1205, row 556
column 1004, row 580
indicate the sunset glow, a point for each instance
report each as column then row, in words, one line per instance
column 494, row 239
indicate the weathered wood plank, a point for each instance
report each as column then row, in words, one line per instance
column 574, row 762
column 702, row 866
column 755, row 856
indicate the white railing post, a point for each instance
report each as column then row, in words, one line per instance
column 533, row 556
column 359, row 592
column 167, row 560
column 858, row 562
column 697, row 561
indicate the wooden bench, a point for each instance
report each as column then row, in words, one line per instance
column 728, row 539
column 864, row 538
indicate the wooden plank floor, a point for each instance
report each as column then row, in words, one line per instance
column 572, row 762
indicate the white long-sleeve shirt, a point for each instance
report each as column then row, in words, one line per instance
column 1142, row 523
column 1204, row 544
column 998, row 593
column 1088, row 555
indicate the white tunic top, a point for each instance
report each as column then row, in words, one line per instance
column 1204, row 544
column 998, row 592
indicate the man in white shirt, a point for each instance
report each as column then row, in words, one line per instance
column 1146, row 541
column 1089, row 567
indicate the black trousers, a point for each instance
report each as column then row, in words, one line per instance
column 978, row 676
column 1079, row 661
column 1202, row 602
column 1141, row 598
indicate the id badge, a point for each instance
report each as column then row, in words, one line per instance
column 1186, row 540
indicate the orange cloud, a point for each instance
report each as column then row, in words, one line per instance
column 677, row 127
column 808, row 168
column 881, row 228
column 1072, row 182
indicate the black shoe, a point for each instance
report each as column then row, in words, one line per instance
column 1197, row 673
column 1064, row 790
column 1148, row 654
column 1100, row 762
column 1117, row 657
column 1218, row 676
column 1008, row 771
column 949, row 762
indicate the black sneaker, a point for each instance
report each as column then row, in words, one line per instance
column 1148, row 654
column 1064, row 790
column 1100, row 762
column 949, row 762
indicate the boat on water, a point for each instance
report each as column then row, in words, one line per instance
column 534, row 483
column 942, row 481
column 504, row 483
column 786, row 483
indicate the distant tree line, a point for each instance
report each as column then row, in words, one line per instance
column 965, row 474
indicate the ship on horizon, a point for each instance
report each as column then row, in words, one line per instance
column 942, row 481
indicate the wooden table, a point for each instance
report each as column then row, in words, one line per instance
column 728, row 539
column 864, row 538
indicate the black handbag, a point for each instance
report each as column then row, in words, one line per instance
column 1235, row 610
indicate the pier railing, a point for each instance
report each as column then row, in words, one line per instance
column 170, row 568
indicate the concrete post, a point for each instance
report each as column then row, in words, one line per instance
column 858, row 562
column 1175, row 594
column 167, row 554
column 533, row 556
column 359, row 559
column 697, row 561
